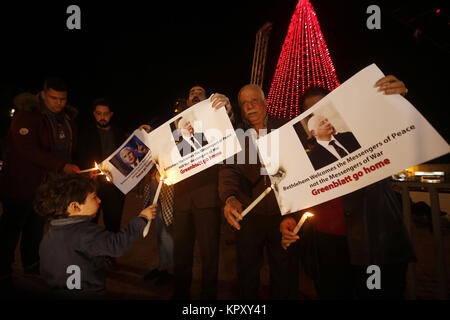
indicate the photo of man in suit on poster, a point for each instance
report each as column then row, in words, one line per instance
column 186, row 139
column 323, row 143
column 129, row 157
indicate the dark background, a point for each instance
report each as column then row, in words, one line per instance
column 145, row 55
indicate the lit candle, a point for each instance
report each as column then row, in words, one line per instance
column 89, row 170
column 96, row 168
column 256, row 201
column 302, row 221
column 155, row 199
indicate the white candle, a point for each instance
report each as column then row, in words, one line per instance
column 256, row 201
column 302, row 221
column 147, row 228
column 155, row 199
column 89, row 170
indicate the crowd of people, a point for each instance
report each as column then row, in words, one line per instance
column 41, row 181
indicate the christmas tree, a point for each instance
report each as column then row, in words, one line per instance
column 304, row 62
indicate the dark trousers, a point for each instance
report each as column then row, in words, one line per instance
column 259, row 232
column 19, row 220
column 338, row 279
column 111, row 205
column 203, row 224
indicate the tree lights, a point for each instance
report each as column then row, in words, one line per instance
column 304, row 62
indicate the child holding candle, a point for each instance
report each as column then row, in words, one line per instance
column 70, row 202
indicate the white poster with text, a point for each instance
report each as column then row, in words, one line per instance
column 353, row 137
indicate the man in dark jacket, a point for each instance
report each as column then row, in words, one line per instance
column 197, row 216
column 350, row 233
column 97, row 142
column 41, row 139
column 241, row 183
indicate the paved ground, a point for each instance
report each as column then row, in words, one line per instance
column 127, row 283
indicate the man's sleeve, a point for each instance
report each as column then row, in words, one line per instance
column 25, row 132
column 230, row 177
column 106, row 243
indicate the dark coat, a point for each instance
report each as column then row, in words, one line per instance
column 90, row 146
column 29, row 145
column 244, row 181
column 78, row 241
column 320, row 156
column 374, row 226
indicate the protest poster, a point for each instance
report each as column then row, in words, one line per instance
column 375, row 136
column 192, row 141
column 130, row 162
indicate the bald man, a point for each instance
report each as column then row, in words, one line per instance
column 330, row 146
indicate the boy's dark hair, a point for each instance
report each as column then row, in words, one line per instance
column 314, row 91
column 55, row 83
column 101, row 102
column 57, row 191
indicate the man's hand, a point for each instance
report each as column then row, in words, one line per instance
column 149, row 213
column 391, row 85
column 287, row 236
column 232, row 212
column 219, row 100
column 141, row 148
column 145, row 127
column 71, row 168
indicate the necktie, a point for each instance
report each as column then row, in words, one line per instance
column 166, row 200
column 339, row 150
column 146, row 195
column 195, row 143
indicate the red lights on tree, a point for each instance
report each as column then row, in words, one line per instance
column 304, row 62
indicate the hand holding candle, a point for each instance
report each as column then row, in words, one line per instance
column 305, row 216
column 297, row 228
column 256, row 201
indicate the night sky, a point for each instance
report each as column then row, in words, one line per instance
column 145, row 55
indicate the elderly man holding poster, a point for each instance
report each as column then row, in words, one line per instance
column 239, row 184
column 349, row 233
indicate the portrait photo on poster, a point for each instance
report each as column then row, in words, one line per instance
column 325, row 136
column 186, row 136
column 128, row 158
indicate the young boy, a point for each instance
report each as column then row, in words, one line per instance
column 72, row 252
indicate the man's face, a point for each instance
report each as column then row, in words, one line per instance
column 186, row 127
column 54, row 100
column 128, row 156
column 90, row 205
column 324, row 129
column 311, row 100
column 102, row 116
column 253, row 106
column 196, row 94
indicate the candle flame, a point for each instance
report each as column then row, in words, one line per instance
column 108, row 179
column 167, row 182
column 96, row 166
column 308, row 214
